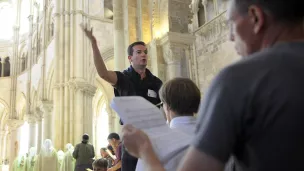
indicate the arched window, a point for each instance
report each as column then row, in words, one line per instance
column 102, row 128
column 201, row 14
column 7, row 67
column 101, row 120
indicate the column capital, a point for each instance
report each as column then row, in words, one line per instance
column 16, row 28
column 46, row 106
column 81, row 85
column 174, row 46
column 14, row 124
column 39, row 114
column 30, row 118
column 179, row 38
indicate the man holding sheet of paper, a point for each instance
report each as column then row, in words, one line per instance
column 181, row 99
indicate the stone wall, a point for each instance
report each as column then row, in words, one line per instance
column 213, row 49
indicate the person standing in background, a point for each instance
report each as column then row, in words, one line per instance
column 84, row 154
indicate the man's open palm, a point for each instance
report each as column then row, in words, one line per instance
column 88, row 33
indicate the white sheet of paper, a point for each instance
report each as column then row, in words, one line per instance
column 142, row 114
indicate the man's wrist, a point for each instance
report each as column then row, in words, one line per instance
column 93, row 42
column 147, row 152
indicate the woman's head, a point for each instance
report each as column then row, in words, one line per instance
column 113, row 139
column 103, row 152
column 100, row 165
column 180, row 97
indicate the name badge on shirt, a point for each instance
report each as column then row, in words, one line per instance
column 152, row 93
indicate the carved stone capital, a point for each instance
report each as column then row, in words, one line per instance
column 174, row 46
column 46, row 106
column 38, row 114
column 179, row 38
column 30, row 118
column 81, row 85
column 14, row 124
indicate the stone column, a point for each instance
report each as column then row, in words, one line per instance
column 13, row 125
column 139, row 35
column 7, row 147
column 31, row 119
column 13, row 74
column 48, row 126
column 175, row 52
column 2, row 145
column 119, row 42
column 39, row 115
column 83, row 120
column 58, row 77
column 44, row 50
column 2, row 67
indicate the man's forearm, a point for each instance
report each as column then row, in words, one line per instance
column 103, row 72
column 151, row 161
column 117, row 166
column 98, row 61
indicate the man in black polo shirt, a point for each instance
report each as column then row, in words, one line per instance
column 137, row 80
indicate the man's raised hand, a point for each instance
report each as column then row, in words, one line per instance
column 88, row 33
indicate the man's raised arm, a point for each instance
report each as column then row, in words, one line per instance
column 103, row 72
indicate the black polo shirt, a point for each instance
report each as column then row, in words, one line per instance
column 129, row 83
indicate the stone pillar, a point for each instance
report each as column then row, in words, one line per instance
column 48, row 126
column 13, row 125
column 39, row 115
column 58, row 75
column 31, row 119
column 2, row 67
column 119, row 42
column 72, row 102
column 2, row 145
column 175, row 52
column 44, row 50
column 83, row 120
column 7, row 147
column 13, row 74
column 139, row 35
column 126, row 31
